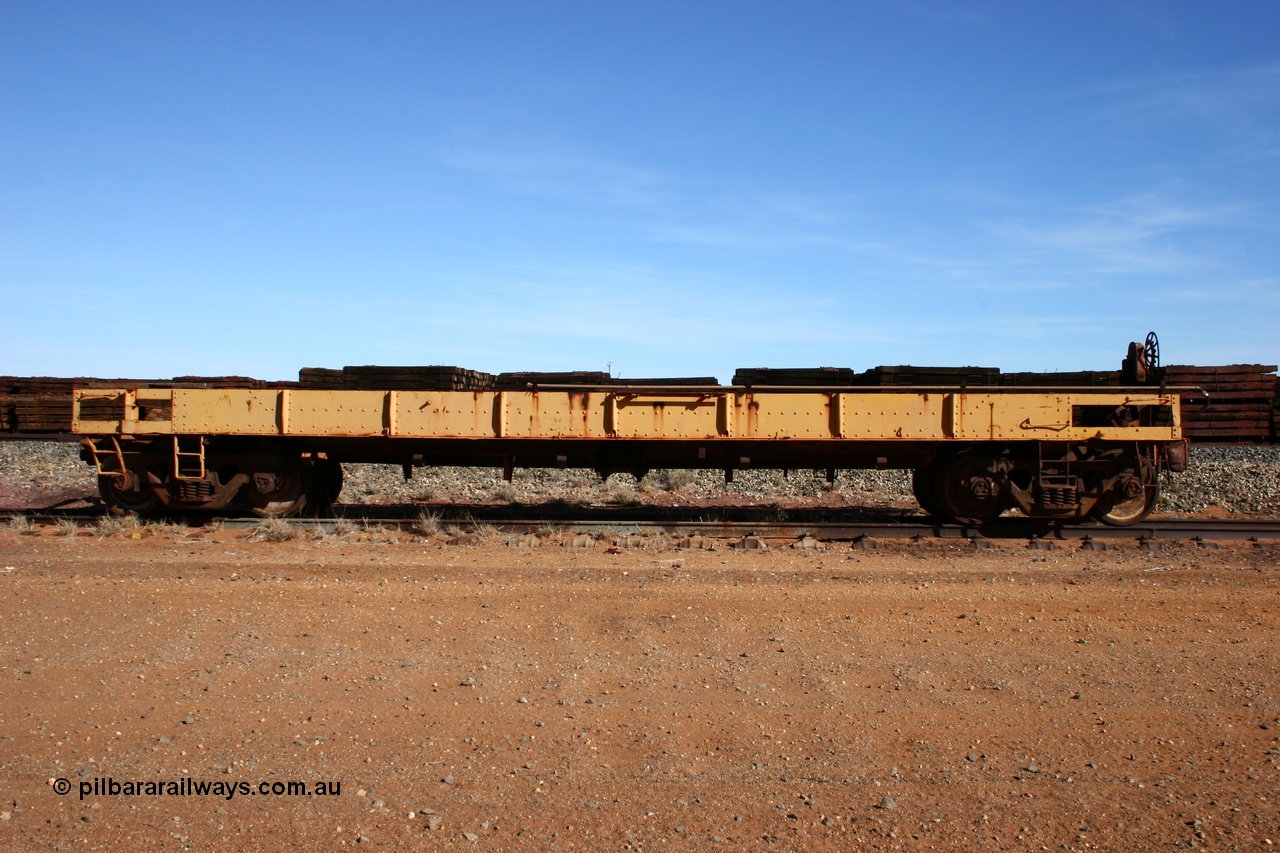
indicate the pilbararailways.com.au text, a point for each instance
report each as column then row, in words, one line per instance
column 188, row 787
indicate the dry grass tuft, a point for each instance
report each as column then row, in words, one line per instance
column 624, row 494
column 427, row 524
column 117, row 525
column 165, row 528
column 275, row 530
column 374, row 532
column 668, row 480
column 18, row 524
column 680, row 479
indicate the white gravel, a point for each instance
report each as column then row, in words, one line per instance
column 1244, row 480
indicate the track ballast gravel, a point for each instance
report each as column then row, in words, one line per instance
column 1230, row 480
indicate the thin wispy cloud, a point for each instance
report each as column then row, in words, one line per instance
column 660, row 206
column 1238, row 105
column 559, row 171
column 1205, row 93
column 1130, row 235
column 639, row 305
column 741, row 237
column 754, row 220
column 1254, row 293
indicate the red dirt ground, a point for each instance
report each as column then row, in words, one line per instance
column 489, row 697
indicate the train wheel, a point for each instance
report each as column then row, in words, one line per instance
column 132, row 496
column 1134, row 503
column 968, row 489
column 924, row 485
column 280, row 491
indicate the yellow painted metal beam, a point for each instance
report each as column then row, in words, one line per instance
column 601, row 414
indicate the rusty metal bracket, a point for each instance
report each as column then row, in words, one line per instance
column 611, row 414
column 389, row 414
column 837, row 415
column 500, row 414
column 282, row 412
column 724, row 416
column 951, row 416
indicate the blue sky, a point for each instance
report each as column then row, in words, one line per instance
column 670, row 188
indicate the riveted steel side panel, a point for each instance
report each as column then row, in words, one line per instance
column 448, row 414
column 346, row 413
column 225, row 411
column 783, row 416
column 666, row 418
column 990, row 417
column 555, row 414
column 893, row 416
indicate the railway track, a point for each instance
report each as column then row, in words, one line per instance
column 740, row 525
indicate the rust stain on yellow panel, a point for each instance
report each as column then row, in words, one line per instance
column 666, row 417
column 224, row 411
column 894, row 416
column 548, row 414
column 450, row 414
column 788, row 416
column 991, row 417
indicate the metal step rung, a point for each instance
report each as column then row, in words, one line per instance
column 188, row 464
column 104, row 456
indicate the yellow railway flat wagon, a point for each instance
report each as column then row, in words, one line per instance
column 975, row 452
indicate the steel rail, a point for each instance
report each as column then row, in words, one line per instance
column 1030, row 531
column 465, row 520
